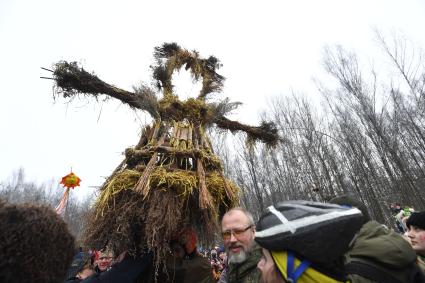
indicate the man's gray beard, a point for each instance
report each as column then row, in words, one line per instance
column 240, row 256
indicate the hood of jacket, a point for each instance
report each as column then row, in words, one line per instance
column 376, row 242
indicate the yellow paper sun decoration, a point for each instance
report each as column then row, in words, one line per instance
column 69, row 181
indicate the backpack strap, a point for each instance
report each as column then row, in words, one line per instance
column 292, row 273
column 369, row 271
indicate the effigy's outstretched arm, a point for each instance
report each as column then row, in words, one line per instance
column 72, row 80
column 266, row 132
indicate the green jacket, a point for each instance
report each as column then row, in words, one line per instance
column 245, row 272
column 383, row 249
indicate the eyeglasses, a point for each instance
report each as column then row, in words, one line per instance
column 237, row 233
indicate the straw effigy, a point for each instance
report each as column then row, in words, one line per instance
column 171, row 178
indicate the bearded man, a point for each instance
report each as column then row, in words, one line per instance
column 243, row 254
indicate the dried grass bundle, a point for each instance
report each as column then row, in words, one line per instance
column 180, row 181
column 124, row 180
column 72, row 80
column 266, row 133
column 171, row 57
column 120, row 225
column 164, row 218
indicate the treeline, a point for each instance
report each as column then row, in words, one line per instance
column 366, row 138
column 19, row 190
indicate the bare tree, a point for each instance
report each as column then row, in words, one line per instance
column 367, row 139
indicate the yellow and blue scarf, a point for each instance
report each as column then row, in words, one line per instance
column 298, row 271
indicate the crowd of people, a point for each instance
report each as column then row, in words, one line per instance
column 293, row 241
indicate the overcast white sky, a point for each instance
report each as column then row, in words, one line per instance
column 266, row 47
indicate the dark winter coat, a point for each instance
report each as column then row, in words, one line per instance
column 73, row 280
column 193, row 268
